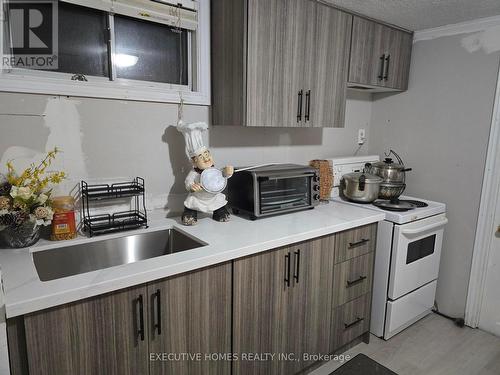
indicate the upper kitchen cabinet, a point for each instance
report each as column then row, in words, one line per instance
column 326, row 73
column 380, row 56
column 279, row 63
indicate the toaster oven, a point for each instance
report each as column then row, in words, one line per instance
column 275, row 189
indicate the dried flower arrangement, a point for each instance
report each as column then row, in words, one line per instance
column 25, row 197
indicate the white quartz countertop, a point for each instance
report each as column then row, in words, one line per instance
column 25, row 293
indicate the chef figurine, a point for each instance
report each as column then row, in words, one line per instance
column 199, row 199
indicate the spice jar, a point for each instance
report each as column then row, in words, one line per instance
column 63, row 222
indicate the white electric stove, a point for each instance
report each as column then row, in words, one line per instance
column 418, row 213
column 406, row 260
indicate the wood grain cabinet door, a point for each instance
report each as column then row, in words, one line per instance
column 260, row 311
column 367, row 52
column 190, row 323
column 98, row 336
column 352, row 278
column 380, row 55
column 327, row 73
column 355, row 242
column 310, row 305
column 351, row 320
column 275, row 30
column 398, row 57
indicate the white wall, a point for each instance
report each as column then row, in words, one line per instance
column 440, row 127
column 104, row 139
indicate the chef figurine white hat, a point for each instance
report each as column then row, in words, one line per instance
column 193, row 136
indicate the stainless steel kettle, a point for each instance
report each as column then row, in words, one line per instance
column 393, row 175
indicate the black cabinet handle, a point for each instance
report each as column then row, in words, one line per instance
column 157, row 324
column 308, row 106
column 140, row 330
column 299, row 107
column 363, row 241
column 297, row 266
column 387, row 62
column 382, row 67
column 356, row 322
column 287, row 269
column 355, row 282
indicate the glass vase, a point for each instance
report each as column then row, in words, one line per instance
column 24, row 235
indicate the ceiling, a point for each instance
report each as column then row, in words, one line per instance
column 422, row 14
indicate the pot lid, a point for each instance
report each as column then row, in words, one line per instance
column 369, row 178
column 388, row 163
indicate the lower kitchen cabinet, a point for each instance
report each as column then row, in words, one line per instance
column 353, row 278
column 258, row 315
column 106, row 335
column 191, row 316
column 312, row 299
column 351, row 320
column 165, row 327
column 282, row 305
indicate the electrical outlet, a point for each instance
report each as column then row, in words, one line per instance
column 361, row 136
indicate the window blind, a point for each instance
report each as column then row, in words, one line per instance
column 182, row 13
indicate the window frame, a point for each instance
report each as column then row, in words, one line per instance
column 197, row 92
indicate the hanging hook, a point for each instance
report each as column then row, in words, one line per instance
column 180, row 110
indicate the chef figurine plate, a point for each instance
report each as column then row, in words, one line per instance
column 213, row 181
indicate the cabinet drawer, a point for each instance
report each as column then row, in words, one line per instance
column 355, row 242
column 352, row 279
column 351, row 320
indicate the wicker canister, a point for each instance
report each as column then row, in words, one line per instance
column 325, row 177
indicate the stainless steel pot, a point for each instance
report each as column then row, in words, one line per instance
column 393, row 176
column 360, row 187
column 391, row 172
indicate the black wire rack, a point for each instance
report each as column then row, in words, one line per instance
column 119, row 221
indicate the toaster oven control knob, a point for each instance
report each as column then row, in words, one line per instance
column 316, row 197
column 316, row 178
column 316, row 187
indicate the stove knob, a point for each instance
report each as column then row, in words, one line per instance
column 316, row 188
column 316, row 197
column 316, row 178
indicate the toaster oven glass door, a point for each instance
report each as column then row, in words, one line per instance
column 284, row 193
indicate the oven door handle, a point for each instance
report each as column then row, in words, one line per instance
column 426, row 228
column 289, row 176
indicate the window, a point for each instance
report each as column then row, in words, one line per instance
column 82, row 41
column 122, row 55
column 150, row 52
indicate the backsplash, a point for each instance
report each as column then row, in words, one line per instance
column 115, row 139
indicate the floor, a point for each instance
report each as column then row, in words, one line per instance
column 432, row 346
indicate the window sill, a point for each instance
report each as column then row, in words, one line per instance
column 104, row 89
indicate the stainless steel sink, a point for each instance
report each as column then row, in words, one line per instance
column 73, row 260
